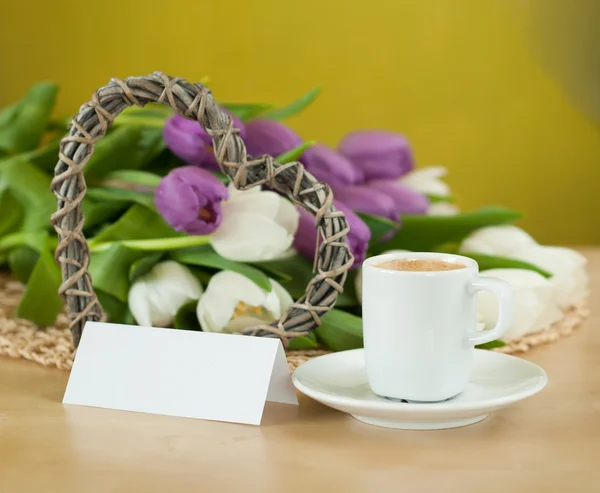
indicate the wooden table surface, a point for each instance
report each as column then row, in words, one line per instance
column 548, row 443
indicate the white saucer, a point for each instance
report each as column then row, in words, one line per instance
column 339, row 380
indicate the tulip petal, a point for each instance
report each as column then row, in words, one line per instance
column 189, row 198
column 214, row 310
column 229, row 284
column 305, row 239
column 269, row 137
column 442, row 209
column 238, row 324
column 406, row 200
column 568, row 269
column 138, row 304
column 170, row 285
column 156, row 296
column 268, row 204
column 368, row 201
column 378, row 154
column 287, row 216
column 504, row 241
column 250, row 237
column 535, row 308
column 427, row 180
column 331, row 167
column 426, row 174
column 283, row 297
column 223, row 293
column 187, row 140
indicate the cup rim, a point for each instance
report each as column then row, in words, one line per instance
column 469, row 263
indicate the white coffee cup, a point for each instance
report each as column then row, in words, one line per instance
column 420, row 327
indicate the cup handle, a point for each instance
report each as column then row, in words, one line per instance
column 506, row 309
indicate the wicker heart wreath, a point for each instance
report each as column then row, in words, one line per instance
column 195, row 102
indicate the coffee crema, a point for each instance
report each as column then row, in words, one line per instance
column 420, row 265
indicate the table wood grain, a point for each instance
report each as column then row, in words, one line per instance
column 548, row 443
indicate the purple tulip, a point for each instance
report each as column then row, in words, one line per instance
column 358, row 236
column 406, row 200
column 329, row 166
column 361, row 198
column 378, row 154
column 189, row 198
column 188, row 141
column 269, row 137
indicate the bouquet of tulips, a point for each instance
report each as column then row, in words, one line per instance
column 173, row 244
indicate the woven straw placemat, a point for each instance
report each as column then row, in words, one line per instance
column 53, row 346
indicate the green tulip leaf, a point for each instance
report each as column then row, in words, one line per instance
column 117, row 150
column 487, row 262
column 425, row 233
column 116, row 310
column 36, row 240
column 41, row 303
column 305, row 342
column 22, row 261
column 129, row 319
column 151, row 145
column 23, row 124
column 31, row 188
column 492, row 344
column 205, row 256
column 222, row 176
column 150, row 111
column 294, row 107
column 340, row 331
column 186, row 317
column 154, row 245
column 45, row 158
column 120, row 195
column 246, row 111
column 135, row 177
column 138, row 223
column 379, row 226
column 128, row 147
column 110, row 270
column 98, row 213
column 295, row 153
column 202, row 275
column 11, row 212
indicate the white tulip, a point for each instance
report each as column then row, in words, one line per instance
column 442, row 209
column 358, row 278
column 155, row 297
column 233, row 302
column 502, row 241
column 535, row 306
column 427, row 181
column 568, row 268
column 256, row 225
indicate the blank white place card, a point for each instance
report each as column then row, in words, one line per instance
column 190, row 374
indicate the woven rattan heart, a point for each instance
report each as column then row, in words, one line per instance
column 193, row 101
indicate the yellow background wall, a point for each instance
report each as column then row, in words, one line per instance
column 462, row 79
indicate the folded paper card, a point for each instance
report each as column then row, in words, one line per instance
column 219, row 377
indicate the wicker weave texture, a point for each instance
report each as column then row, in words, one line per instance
column 193, row 101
